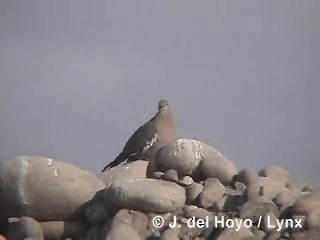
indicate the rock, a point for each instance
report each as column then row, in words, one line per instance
column 313, row 219
column 167, row 218
column 212, row 192
column 120, row 230
column 264, row 186
column 258, row 207
column 275, row 235
column 246, row 176
column 258, row 234
column 185, row 181
column 200, row 213
column 157, row 175
column 26, row 227
column 126, row 224
column 146, row 195
column 133, row 170
column 233, row 203
column 313, row 234
column 183, row 155
column 269, row 223
column 170, row 175
column 140, row 223
column 171, row 234
column 193, row 192
column 97, row 214
column 94, row 234
column 43, row 188
column 308, row 204
column 233, row 234
column 63, row 230
column 216, row 165
column 240, row 187
column 284, row 199
column 277, row 173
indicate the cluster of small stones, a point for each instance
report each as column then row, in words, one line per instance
column 189, row 191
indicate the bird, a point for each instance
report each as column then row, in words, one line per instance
column 149, row 138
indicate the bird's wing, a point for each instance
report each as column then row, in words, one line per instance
column 142, row 139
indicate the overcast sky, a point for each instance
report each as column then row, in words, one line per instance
column 78, row 77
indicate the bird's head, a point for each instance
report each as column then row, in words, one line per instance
column 163, row 106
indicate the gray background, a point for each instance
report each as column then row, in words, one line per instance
column 78, row 77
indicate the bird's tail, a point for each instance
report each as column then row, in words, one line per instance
column 121, row 157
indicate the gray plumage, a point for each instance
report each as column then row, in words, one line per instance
column 150, row 137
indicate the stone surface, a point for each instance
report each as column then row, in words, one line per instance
column 246, row 176
column 277, row 173
column 308, row 204
column 132, row 170
column 193, row 192
column 26, row 227
column 233, row 234
column 170, row 175
column 121, row 227
column 146, row 195
column 258, row 207
column 186, row 181
column 216, row 165
column 264, row 186
column 97, row 214
column 171, row 234
column 62, row 230
column 212, row 192
column 183, row 155
column 43, row 188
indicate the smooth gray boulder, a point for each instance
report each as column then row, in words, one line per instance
column 235, row 234
column 277, row 173
column 26, row 227
column 132, row 170
column 264, row 186
column 182, row 155
column 258, row 207
column 310, row 207
column 212, row 192
column 146, row 195
column 216, row 165
column 97, row 214
column 121, row 227
column 246, row 176
column 193, row 192
column 63, row 230
column 43, row 188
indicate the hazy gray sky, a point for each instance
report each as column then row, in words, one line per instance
column 78, row 77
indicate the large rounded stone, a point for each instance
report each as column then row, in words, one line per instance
column 146, row 195
column 264, row 186
column 276, row 173
column 43, row 188
column 63, row 230
column 212, row 192
column 183, row 155
column 235, row 234
column 308, row 204
column 216, row 165
column 25, row 228
column 246, row 176
column 132, row 170
column 258, row 207
column 121, row 227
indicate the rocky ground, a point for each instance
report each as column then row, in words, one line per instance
column 190, row 191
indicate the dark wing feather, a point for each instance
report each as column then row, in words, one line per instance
column 139, row 138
